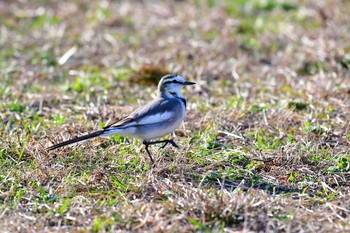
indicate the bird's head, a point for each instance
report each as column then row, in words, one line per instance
column 170, row 85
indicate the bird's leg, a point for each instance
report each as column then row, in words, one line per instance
column 171, row 141
column 146, row 143
column 166, row 143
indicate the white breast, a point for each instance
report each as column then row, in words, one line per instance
column 168, row 127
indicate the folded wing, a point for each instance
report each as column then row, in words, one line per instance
column 154, row 112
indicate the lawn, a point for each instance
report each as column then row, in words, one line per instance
column 265, row 145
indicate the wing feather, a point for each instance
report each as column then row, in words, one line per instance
column 158, row 110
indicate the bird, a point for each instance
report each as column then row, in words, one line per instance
column 152, row 121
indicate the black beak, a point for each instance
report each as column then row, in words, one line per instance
column 189, row 83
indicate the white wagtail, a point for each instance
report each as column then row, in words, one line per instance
column 154, row 120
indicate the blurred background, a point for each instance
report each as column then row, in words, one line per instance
column 50, row 42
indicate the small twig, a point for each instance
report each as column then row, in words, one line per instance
column 231, row 134
column 262, row 160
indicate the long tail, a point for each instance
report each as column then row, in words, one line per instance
column 78, row 139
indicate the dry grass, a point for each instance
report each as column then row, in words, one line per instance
column 265, row 145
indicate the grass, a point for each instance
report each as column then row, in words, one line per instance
column 264, row 146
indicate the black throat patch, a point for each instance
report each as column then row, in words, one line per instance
column 177, row 97
column 182, row 100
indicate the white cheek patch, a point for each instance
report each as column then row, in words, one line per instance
column 159, row 117
column 176, row 88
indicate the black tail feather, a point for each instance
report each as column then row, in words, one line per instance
column 74, row 140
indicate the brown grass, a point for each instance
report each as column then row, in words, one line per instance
column 265, row 144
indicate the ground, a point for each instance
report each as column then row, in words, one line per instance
column 264, row 146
